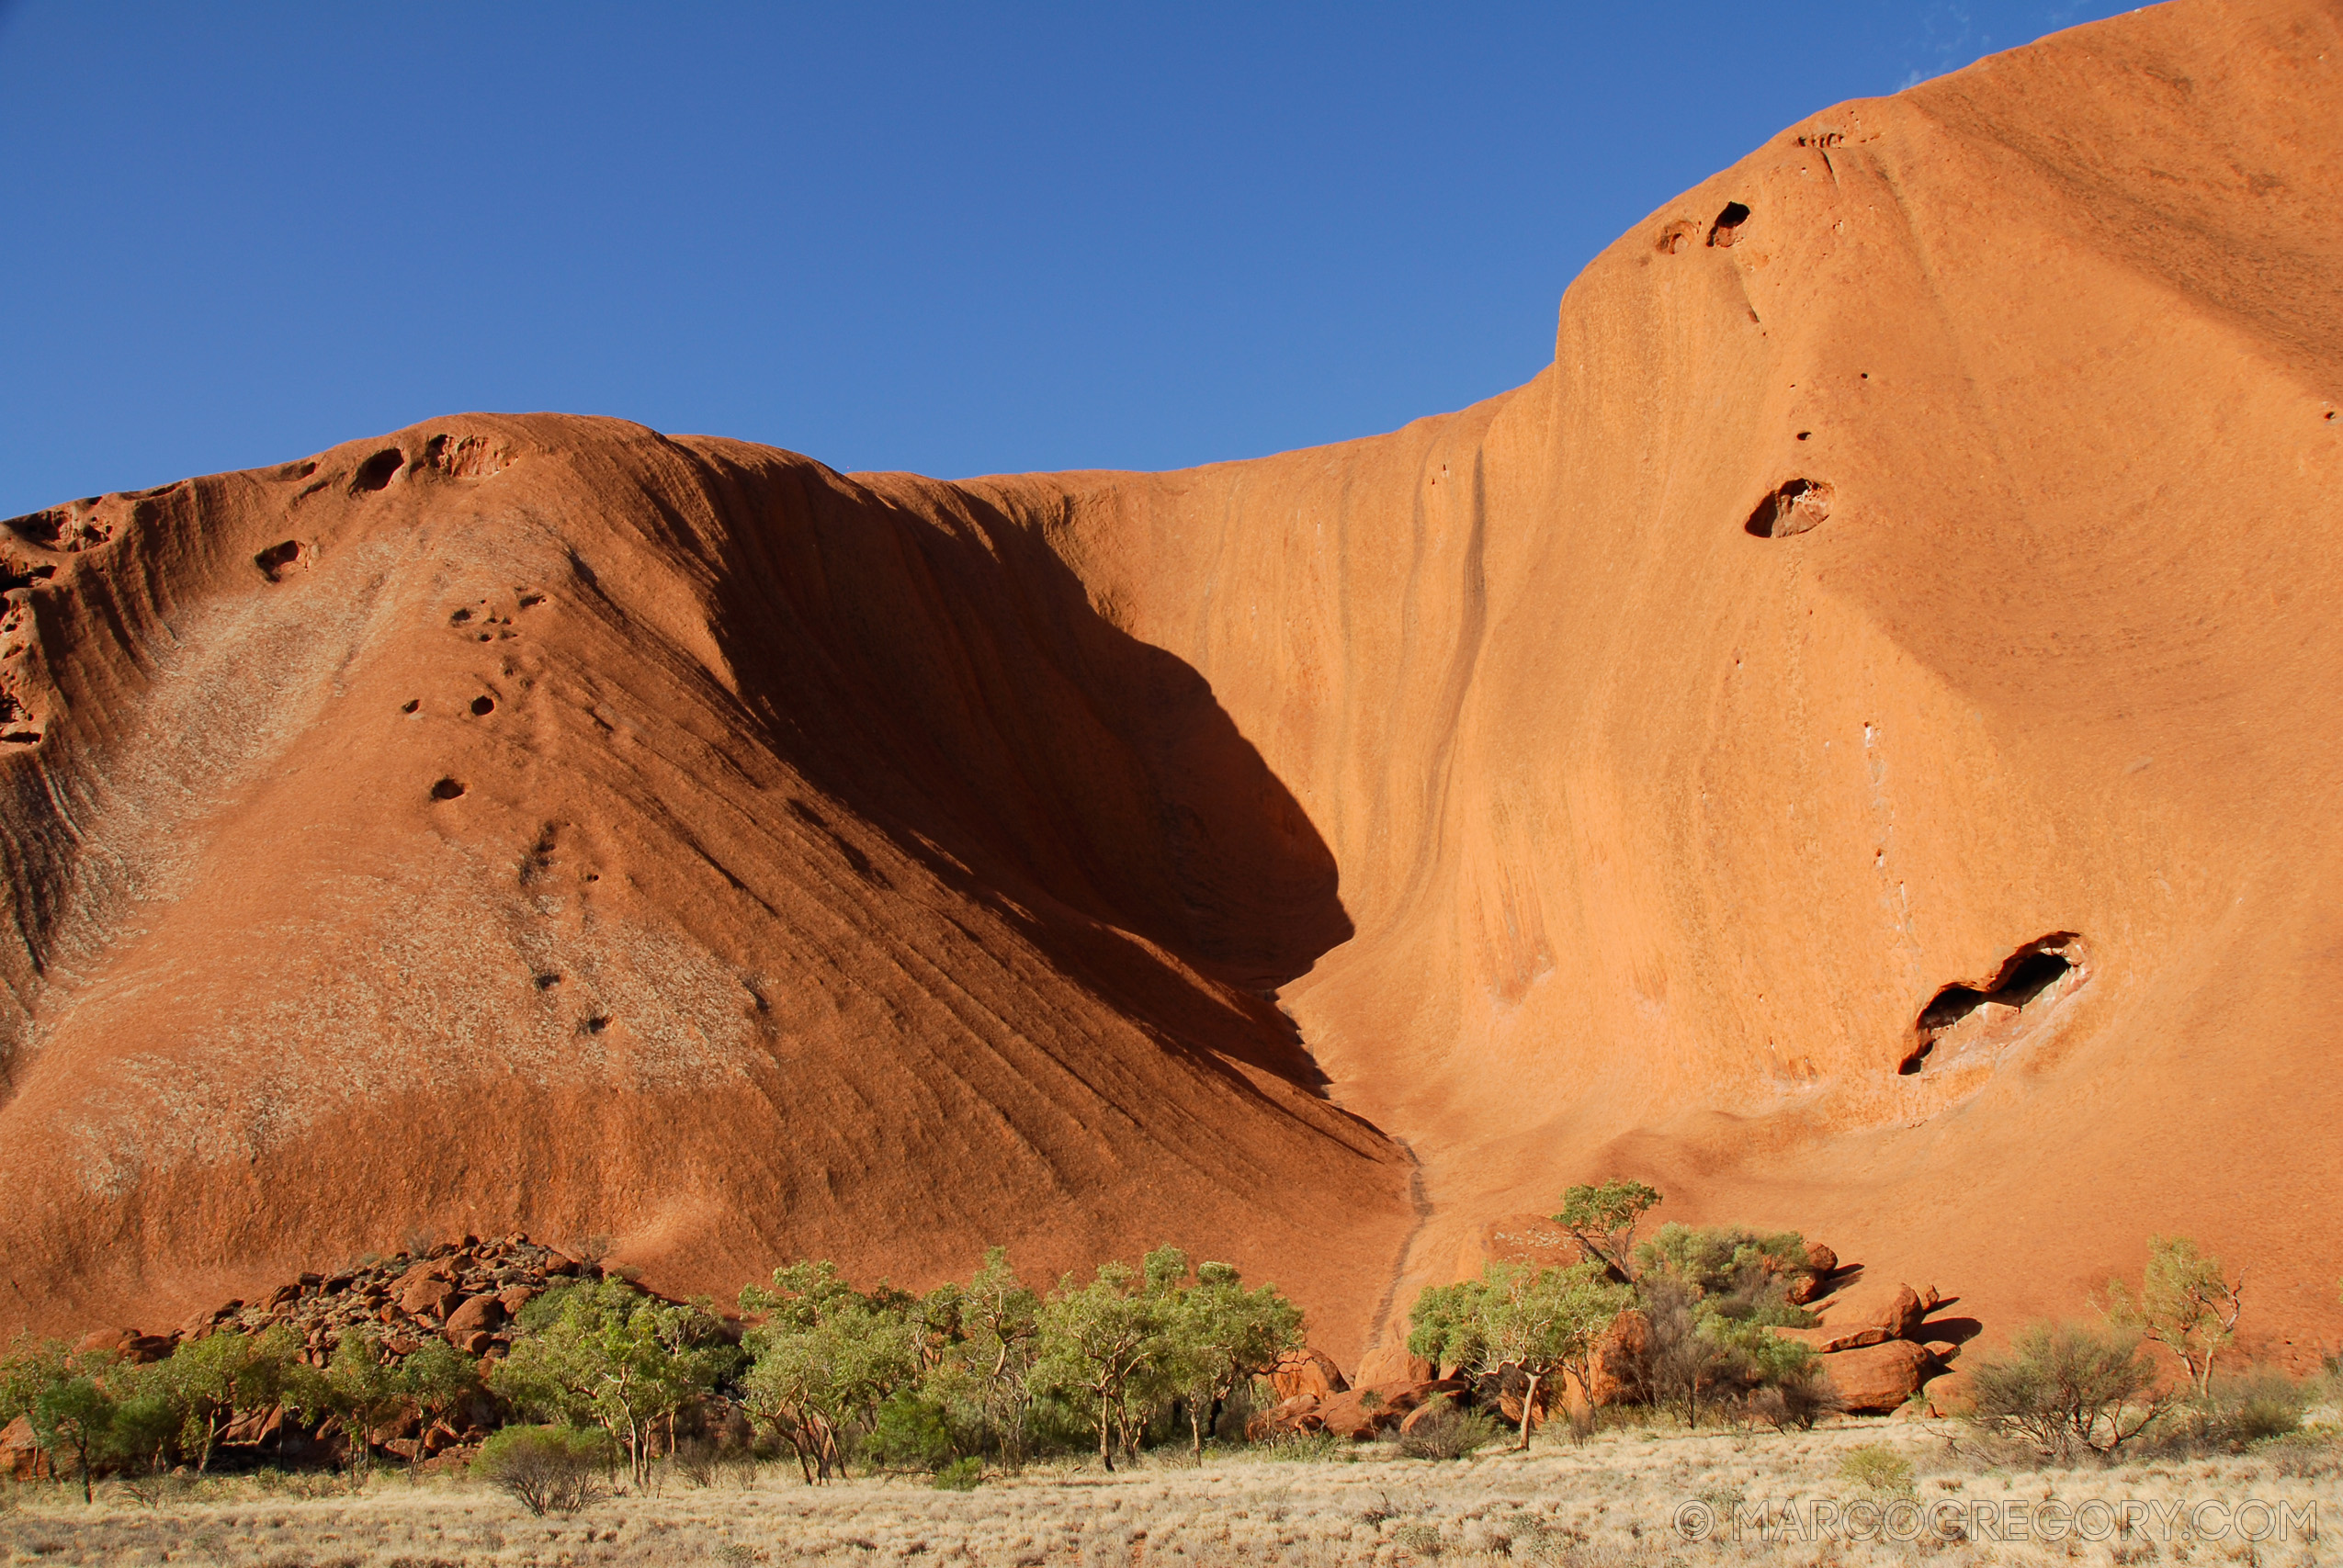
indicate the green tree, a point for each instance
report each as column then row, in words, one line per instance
column 1103, row 1344
column 1603, row 1221
column 1540, row 1323
column 25, row 1370
column 58, row 1390
column 433, row 1380
column 824, row 1358
column 75, row 1414
column 359, row 1388
column 148, row 1415
column 1743, row 1273
column 1710, row 1298
column 214, row 1379
column 2185, row 1303
column 612, row 1356
column 1224, row 1336
column 990, row 1370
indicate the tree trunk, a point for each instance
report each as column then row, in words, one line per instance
column 805, row 1467
column 831, row 1458
column 1106, row 1434
column 1529, row 1397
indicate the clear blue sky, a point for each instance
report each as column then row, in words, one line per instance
column 956, row 239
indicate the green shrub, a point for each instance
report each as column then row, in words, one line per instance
column 1724, row 1499
column 1420, row 1537
column 2064, row 1387
column 1875, row 1467
column 1796, row 1398
column 908, row 1433
column 2306, row 1455
column 1443, row 1431
column 964, row 1474
column 694, row 1458
column 2251, row 1408
column 1583, row 1419
column 1305, row 1447
column 545, row 1467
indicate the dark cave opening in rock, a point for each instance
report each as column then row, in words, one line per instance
column 2024, row 977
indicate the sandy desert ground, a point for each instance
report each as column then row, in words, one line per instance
column 1631, row 1496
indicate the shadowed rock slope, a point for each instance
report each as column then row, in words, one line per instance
column 1851, row 742
column 543, row 824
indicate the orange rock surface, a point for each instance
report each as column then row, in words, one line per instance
column 1850, row 743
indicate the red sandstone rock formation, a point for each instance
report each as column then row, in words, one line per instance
column 1311, row 1372
column 1849, row 743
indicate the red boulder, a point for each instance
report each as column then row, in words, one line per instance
column 1878, row 1377
column 427, row 1297
column 1298, row 1413
column 1308, row 1372
column 479, row 1313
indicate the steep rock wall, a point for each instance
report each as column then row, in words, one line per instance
column 1850, row 742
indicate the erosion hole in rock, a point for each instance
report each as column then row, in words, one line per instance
column 465, row 457
column 378, row 470
column 273, row 560
column 1727, row 227
column 483, row 706
column 447, row 789
column 1792, row 508
column 1677, row 237
column 2043, row 968
column 17, row 725
column 41, row 527
column 411, row 705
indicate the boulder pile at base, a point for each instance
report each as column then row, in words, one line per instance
column 1361, row 1415
column 467, row 1291
column 1875, row 1341
column 1877, row 1347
